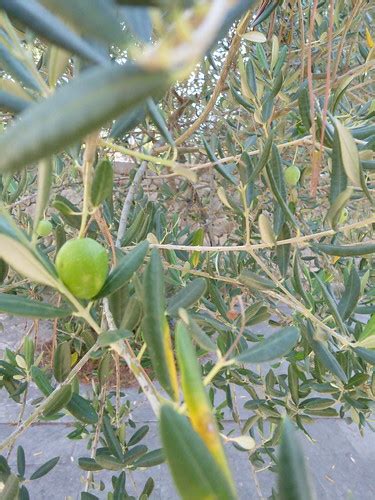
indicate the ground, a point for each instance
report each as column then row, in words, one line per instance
column 341, row 461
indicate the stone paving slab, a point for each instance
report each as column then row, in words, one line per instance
column 341, row 462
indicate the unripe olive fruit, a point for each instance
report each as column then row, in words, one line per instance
column 44, row 228
column 82, row 266
column 292, row 175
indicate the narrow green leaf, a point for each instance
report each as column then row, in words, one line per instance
column 147, row 489
column 39, row 20
column 60, row 399
column 293, row 383
column 254, row 281
column 21, row 306
column 324, row 354
column 218, row 167
column 339, row 179
column 317, row 403
column 255, row 314
column 99, row 20
column 283, row 251
column 333, row 215
column 263, row 15
column 89, row 464
column 118, row 302
column 251, row 78
column 135, row 232
column 241, row 100
column 12, row 103
column 327, row 412
column 105, row 339
column 278, row 187
column 332, row 306
column 139, row 22
column 132, row 314
column 112, row 440
column 102, row 183
column 68, row 211
column 4, row 268
column 266, row 232
column 187, row 296
column 277, row 183
column 125, row 269
column 294, row 479
column 15, row 89
column 128, row 121
column 351, row 295
column 340, row 91
column 134, row 454
column 24, row 494
column 45, row 468
column 75, row 110
column 89, row 496
column 196, row 398
column 28, row 351
column 262, row 159
column 150, row 459
column 62, row 361
column 21, row 255
column 366, row 354
column 21, row 461
column 278, row 83
column 44, row 189
column 304, row 106
column 217, row 298
column 11, row 488
column 276, row 346
column 355, row 250
column 4, row 469
column 368, row 330
column 16, row 68
column 159, row 121
column 41, row 380
column 193, row 468
column 154, row 321
column 138, row 435
column 363, row 132
column 201, row 338
column 58, row 60
column 105, row 368
column 82, row 409
column 25, row 262
column 349, row 154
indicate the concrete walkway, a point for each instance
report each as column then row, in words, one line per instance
column 341, row 461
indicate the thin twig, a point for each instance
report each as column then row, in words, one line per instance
column 128, row 202
column 315, row 178
column 126, row 352
column 102, row 398
column 232, row 53
column 203, row 166
column 88, row 160
column 349, row 21
column 298, row 240
column 314, row 156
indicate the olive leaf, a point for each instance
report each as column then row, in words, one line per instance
column 277, row 345
column 73, row 111
column 294, row 479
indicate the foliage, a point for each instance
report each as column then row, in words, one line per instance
column 249, row 202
